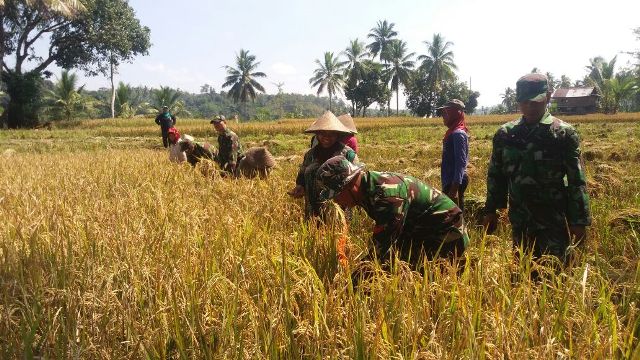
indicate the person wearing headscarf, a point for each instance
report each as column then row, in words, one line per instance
column 175, row 151
column 455, row 152
column 166, row 121
column 328, row 130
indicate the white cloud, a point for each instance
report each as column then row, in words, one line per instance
column 280, row 68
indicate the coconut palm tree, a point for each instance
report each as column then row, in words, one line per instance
column 242, row 78
column 166, row 96
column 438, row 62
column 509, row 99
column 329, row 75
column 600, row 70
column 618, row 89
column 399, row 68
column 66, row 100
column 127, row 101
column 382, row 35
column 356, row 53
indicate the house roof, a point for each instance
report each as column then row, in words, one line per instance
column 574, row 92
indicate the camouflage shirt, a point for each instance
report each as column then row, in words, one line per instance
column 229, row 151
column 538, row 167
column 404, row 207
column 313, row 158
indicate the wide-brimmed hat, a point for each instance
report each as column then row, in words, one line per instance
column 347, row 121
column 453, row 103
column 327, row 122
column 334, row 174
column 532, row 87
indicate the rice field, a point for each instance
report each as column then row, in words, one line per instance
column 108, row 251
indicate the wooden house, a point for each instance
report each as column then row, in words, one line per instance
column 576, row 100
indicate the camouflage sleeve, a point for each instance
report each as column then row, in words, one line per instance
column 235, row 145
column 305, row 162
column 390, row 218
column 352, row 156
column 496, row 180
column 578, row 211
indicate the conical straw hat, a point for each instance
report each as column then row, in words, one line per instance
column 327, row 122
column 347, row 121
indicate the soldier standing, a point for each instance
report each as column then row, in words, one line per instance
column 229, row 148
column 536, row 165
column 411, row 218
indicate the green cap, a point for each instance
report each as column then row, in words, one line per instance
column 335, row 174
column 217, row 119
column 532, row 87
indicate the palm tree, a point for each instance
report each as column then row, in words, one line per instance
column 166, row 96
column 618, row 89
column 66, row 99
column 509, row 99
column 329, row 75
column 356, row 53
column 382, row 35
column 600, row 70
column 400, row 67
column 438, row 62
column 127, row 100
column 242, row 79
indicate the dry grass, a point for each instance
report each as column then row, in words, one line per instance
column 110, row 251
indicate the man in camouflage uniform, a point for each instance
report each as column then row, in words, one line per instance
column 411, row 218
column 229, row 148
column 536, row 164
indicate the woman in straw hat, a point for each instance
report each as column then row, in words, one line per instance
column 348, row 139
column 328, row 131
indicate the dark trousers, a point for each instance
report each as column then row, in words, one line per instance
column 165, row 135
column 461, row 189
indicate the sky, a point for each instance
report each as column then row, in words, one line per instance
column 494, row 41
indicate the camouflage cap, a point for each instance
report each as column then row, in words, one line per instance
column 454, row 103
column 532, row 87
column 334, row 175
column 218, row 119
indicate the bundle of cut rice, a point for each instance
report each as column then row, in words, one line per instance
column 257, row 161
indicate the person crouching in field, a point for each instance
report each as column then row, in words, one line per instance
column 348, row 139
column 257, row 161
column 229, row 147
column 455, row 152
column 328, row 130
column 166, row 121
column 536, row 167
column 412, row 219
column 194, row 151
column 176, row 154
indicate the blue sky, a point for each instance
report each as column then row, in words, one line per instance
column 495, row 41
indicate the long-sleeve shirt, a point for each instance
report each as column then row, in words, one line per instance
column 166, row 120
column 455, row 154
column 229, row 151
column 537, row 167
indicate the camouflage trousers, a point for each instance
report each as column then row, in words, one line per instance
column 431, row 235
column 544, row 231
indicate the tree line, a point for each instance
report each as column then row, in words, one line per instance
column 96, row 36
